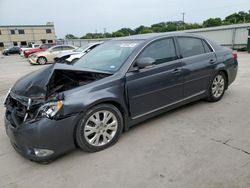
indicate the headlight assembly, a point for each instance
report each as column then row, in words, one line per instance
column 50, row 109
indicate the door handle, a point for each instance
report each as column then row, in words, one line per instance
column 176, row 71
column 212, row 61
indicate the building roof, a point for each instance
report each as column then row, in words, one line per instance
column 46, row 25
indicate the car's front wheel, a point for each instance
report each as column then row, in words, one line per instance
column 41, row 60
column 217, row 87
column 99, row 128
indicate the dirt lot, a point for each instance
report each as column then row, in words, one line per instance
column 201, row 145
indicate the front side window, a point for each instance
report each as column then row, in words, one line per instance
column 109, row 56
column 190, row 46
column 162, row 51
column 12, row 31
column 207, row 47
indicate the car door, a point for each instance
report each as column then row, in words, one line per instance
column 16, row 50
column 158, row 86
column 198, row 59
column 53, row 53
column 11, row 50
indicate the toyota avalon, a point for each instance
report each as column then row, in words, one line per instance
column 113, row 87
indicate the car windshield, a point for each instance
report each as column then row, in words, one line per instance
column 80, row 49
column 109, row 56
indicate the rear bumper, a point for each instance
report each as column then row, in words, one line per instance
column 232, row 73
column 54, row 135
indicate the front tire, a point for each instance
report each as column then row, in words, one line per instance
column 217, row 87
column 41, row 60
column 99, row 128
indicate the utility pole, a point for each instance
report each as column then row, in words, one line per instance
column 183, row 19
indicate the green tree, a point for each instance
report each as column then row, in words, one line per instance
column 212, row 22
column 146, row 30
column 193, row 26
column 126, row 31
column 139, row 29
column 159, row 27
column 240, row 17
column 70, row 36
column 117, row 34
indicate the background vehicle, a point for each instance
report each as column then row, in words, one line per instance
column 75, row 54
column 113, row 87
column 48, row 56
column 24, row 49
column 11, row 50
column 41, row 48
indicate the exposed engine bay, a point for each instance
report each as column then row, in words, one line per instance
column 27, row 108
column 63, row 80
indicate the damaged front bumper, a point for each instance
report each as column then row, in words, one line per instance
column 32, row 60
column 43, row 135
column 40, row 139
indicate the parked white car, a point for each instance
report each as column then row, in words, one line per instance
column 71, row 57
column 48, row 56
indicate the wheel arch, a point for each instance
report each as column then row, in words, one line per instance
column 115, row 103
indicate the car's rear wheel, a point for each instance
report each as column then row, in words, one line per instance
column 41, row 60
column 217, row 87
column 99, row 128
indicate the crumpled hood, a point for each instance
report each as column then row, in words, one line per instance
column 34, row 85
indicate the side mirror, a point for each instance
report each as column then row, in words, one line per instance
column 144, row 62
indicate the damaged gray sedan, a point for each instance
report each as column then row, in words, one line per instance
column 118, row 84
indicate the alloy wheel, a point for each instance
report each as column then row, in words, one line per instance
column 100, row 128
column 42, row 60
column 218, row 86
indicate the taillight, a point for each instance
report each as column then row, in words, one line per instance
column 235, row 54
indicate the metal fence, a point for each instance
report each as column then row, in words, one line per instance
column 233, row 36
column 81, row 42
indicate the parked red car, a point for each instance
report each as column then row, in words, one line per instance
column 41, row 48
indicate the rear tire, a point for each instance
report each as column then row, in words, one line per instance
column 99, row 128
column 217, row 87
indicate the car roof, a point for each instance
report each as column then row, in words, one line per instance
column 152, row 36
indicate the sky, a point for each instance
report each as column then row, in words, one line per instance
column 79, row 17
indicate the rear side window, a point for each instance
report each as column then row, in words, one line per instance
column 57, row 48
column 162, row 51
column 207, row 47
column 190, row 46
column 68, row 48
